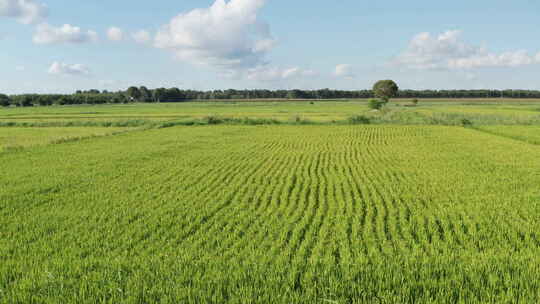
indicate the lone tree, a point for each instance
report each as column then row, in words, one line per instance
column 385, row 89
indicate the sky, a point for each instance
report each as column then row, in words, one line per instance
column 59, row 46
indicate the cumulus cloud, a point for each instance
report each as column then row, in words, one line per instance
column 344, row 70
column 508, row 59
column 268, row 73
column 115, row 34
column 24, row 11
column 33, row 12
column 141, row 37
column 59, row 68
column 449, row 51
column 48, row 34
column 228, row 35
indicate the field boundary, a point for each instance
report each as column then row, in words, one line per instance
column 516, row 138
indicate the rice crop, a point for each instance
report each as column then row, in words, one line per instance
column 17, row 138
column 273, row 214
column 529, row 134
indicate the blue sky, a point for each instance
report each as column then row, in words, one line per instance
column 62, row 46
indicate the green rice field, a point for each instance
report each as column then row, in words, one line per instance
column 483, row 111
column 438, row 203
column 16, row 138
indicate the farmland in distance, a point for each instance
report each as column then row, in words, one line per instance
column 275, row 214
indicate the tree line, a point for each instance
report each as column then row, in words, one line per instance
column 143, row 94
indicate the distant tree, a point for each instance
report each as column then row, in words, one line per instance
column 117, row 98
column 176, row 95
column 134, row 93
column 385, row 89
column 62, row 100
column 45, row 100
column 159, row 94
column 24, row 101
column 381, row 91
column 125, row 98
column 146, row 95
column 4, row 100
column 295, row 94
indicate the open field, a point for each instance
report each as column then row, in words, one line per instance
column 406, row 210
column 322, row 111
column 501, row 111
column 530, row 134
column 15, row 138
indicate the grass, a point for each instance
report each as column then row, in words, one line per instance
column 529, row 134
column 18, row 138
column 273, row 214
column 320, row 111
column 429, row 112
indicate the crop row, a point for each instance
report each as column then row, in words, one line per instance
column 273, row 214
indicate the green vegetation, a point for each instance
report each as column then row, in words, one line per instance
column 376, row 104
column 4, row 100
column 493, row 112
column 385, row 89
column 271, row 202
column 17, row 138
column 292, row 214
column 529, row 134
column 158, row 95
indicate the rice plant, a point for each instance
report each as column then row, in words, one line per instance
column 273, row 214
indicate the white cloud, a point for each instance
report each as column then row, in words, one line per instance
column 267, row 73
column 292, row 72
column 226, row 35
column 115, row 34
column 344, row 70
column 297, row 72
column 448, row 51
column 24, row 11
column 508, row 59
column 48, row 34
column 141, row 36
column 59, row 68
column 20, row 68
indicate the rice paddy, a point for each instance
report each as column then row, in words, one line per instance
column 17, row 138
column 314, row 213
